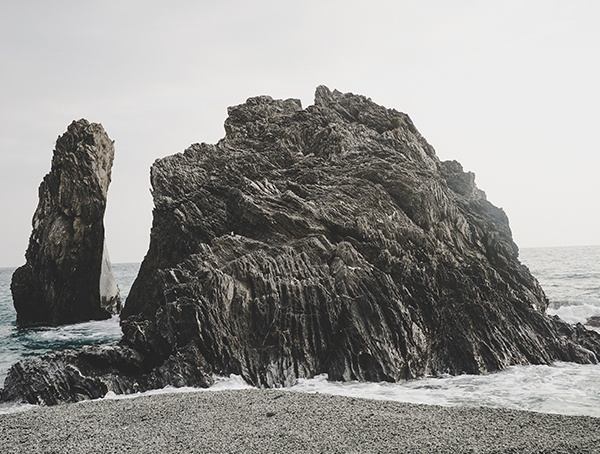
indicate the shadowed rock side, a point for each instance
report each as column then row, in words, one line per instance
column 325, row 240
column 59, row 283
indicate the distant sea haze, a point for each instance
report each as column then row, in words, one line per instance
column 570, row 276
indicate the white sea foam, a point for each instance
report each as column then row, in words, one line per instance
column 82, row 332
column 563, row 388
column 12, row 407
column 221, row 383
column 575, row 314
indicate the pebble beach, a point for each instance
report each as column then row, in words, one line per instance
column 270, row 421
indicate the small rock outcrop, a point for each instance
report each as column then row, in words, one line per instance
column 60, row 282
column 322, row 240
column 93, row 371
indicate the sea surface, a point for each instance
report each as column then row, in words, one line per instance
column 570, row 277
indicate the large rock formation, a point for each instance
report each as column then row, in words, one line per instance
column 60, row 282
column 325, row 240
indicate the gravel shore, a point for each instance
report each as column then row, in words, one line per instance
column 279, row 421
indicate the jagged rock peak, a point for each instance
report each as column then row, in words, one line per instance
column 332, row 239
column 360, row 109
column 60, row 281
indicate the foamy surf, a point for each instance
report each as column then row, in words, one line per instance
column 221, row 383
column 563, row 388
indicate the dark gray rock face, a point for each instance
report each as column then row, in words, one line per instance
column 327, row 240
column 594, row 320
column 332, row 240
column 89, row 373
column 60, row 282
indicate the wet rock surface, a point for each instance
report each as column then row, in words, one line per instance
column 332, row 240
column 594, row 321
column 59, row 283
column 91, row 372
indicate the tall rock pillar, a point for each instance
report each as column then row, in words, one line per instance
column 60, row 282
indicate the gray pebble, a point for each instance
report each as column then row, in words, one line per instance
column 235, row 422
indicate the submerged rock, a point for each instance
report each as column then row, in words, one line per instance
column 594, row 321
column 60, row 282
column 328, row 240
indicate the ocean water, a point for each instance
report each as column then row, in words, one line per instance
column 17, row 344
column 570, row 277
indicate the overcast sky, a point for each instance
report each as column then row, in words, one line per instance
column 511, row 89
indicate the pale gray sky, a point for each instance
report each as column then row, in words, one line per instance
column 508, row 88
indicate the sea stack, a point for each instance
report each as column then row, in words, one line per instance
column 333, row 240
column 60, row 282
column 326, row 240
